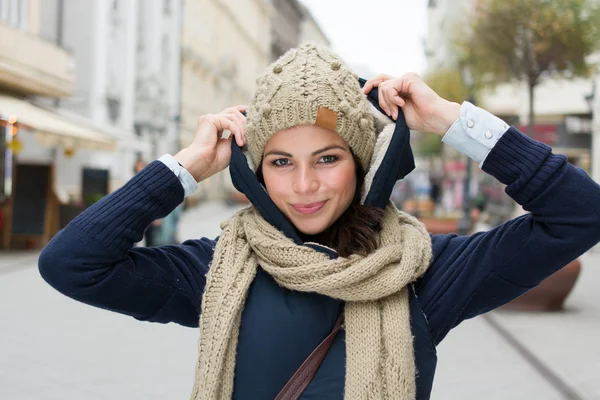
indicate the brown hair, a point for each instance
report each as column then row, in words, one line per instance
column 355, row 231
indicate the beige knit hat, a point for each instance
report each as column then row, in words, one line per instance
column 310, row 85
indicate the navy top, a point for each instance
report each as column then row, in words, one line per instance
column 93, row 261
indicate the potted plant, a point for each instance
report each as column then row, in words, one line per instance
column 551, row 293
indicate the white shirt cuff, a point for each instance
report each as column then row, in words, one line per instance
column 187, row 180
column 475, row 133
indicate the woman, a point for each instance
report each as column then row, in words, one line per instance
column 268, row 295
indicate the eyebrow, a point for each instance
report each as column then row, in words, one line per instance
column 314, row 153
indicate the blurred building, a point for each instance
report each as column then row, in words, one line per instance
column 93, row 86
column 562, row 108
column 158, row 74
column 310, row 29
column 291, row 24
column 37, row 137
column 286, row 23
column 225, row 46
column 127, row 54
column 442, row 17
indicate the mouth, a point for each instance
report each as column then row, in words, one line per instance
column 308, row 208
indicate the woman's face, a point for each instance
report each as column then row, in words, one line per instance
column 310, row 174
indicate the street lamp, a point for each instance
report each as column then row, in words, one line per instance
column 589, row 99
column 152, row 111
column 465, row 221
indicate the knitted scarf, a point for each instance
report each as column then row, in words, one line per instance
column 379, row 343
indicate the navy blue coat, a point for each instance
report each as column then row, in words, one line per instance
column 93, row 261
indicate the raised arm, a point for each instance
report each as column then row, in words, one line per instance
column 93, row 259
column 475, row 274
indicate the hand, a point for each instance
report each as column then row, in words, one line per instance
column 423, row 108
column 209, row 153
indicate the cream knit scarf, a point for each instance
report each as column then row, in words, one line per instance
column 379, row 343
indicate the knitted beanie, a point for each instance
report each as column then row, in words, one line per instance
column 310, row 85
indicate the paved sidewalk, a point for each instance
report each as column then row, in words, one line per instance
column 52, row 347
column 566, row 343
column 476, row 361
column 553, row 356
column 11, row 261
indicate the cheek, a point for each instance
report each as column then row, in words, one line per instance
column 276, row 184
column 343, row 181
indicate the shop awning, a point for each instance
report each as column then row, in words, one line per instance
column 52, row 129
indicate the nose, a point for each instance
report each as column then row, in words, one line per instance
column 305, row 180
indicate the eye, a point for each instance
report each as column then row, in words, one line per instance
column 280, row 162
column 328, row 159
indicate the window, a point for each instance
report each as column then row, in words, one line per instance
column 167, row 7
column 3, row 10
column 14, row 12
column 23, row 14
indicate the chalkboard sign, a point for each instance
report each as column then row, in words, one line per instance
column 95, row 185
column 30, row 196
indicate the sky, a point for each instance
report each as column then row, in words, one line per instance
column 380, row 36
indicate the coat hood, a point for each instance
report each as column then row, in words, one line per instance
column 392, row 160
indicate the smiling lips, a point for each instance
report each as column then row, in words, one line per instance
column 309, row 208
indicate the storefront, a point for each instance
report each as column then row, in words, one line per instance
column 30, row 193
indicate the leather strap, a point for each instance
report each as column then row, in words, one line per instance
column 302, row 377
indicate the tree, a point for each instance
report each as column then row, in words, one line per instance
column 528, row 41
column 448, row 83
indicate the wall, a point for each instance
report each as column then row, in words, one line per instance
column 286, row 28
column 310, row 29
column 225, row 46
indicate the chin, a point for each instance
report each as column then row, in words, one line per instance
column 311, row 231
column 311, row 227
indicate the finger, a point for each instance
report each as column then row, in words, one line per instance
column 241, row 122
column 222, row 123
column 237, row 116
column 236, row 110
column 238, row 132
column 374, row 82
column 370, row 84
column 205, row 131
column 392, row 107
column 387, row 95
column 240, row 118
column 397, row 100
column 383, row 101
column 382, row 77
column 404, row 84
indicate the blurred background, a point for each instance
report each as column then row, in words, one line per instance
column 92, row 90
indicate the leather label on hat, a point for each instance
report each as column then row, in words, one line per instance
column 326, row 118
